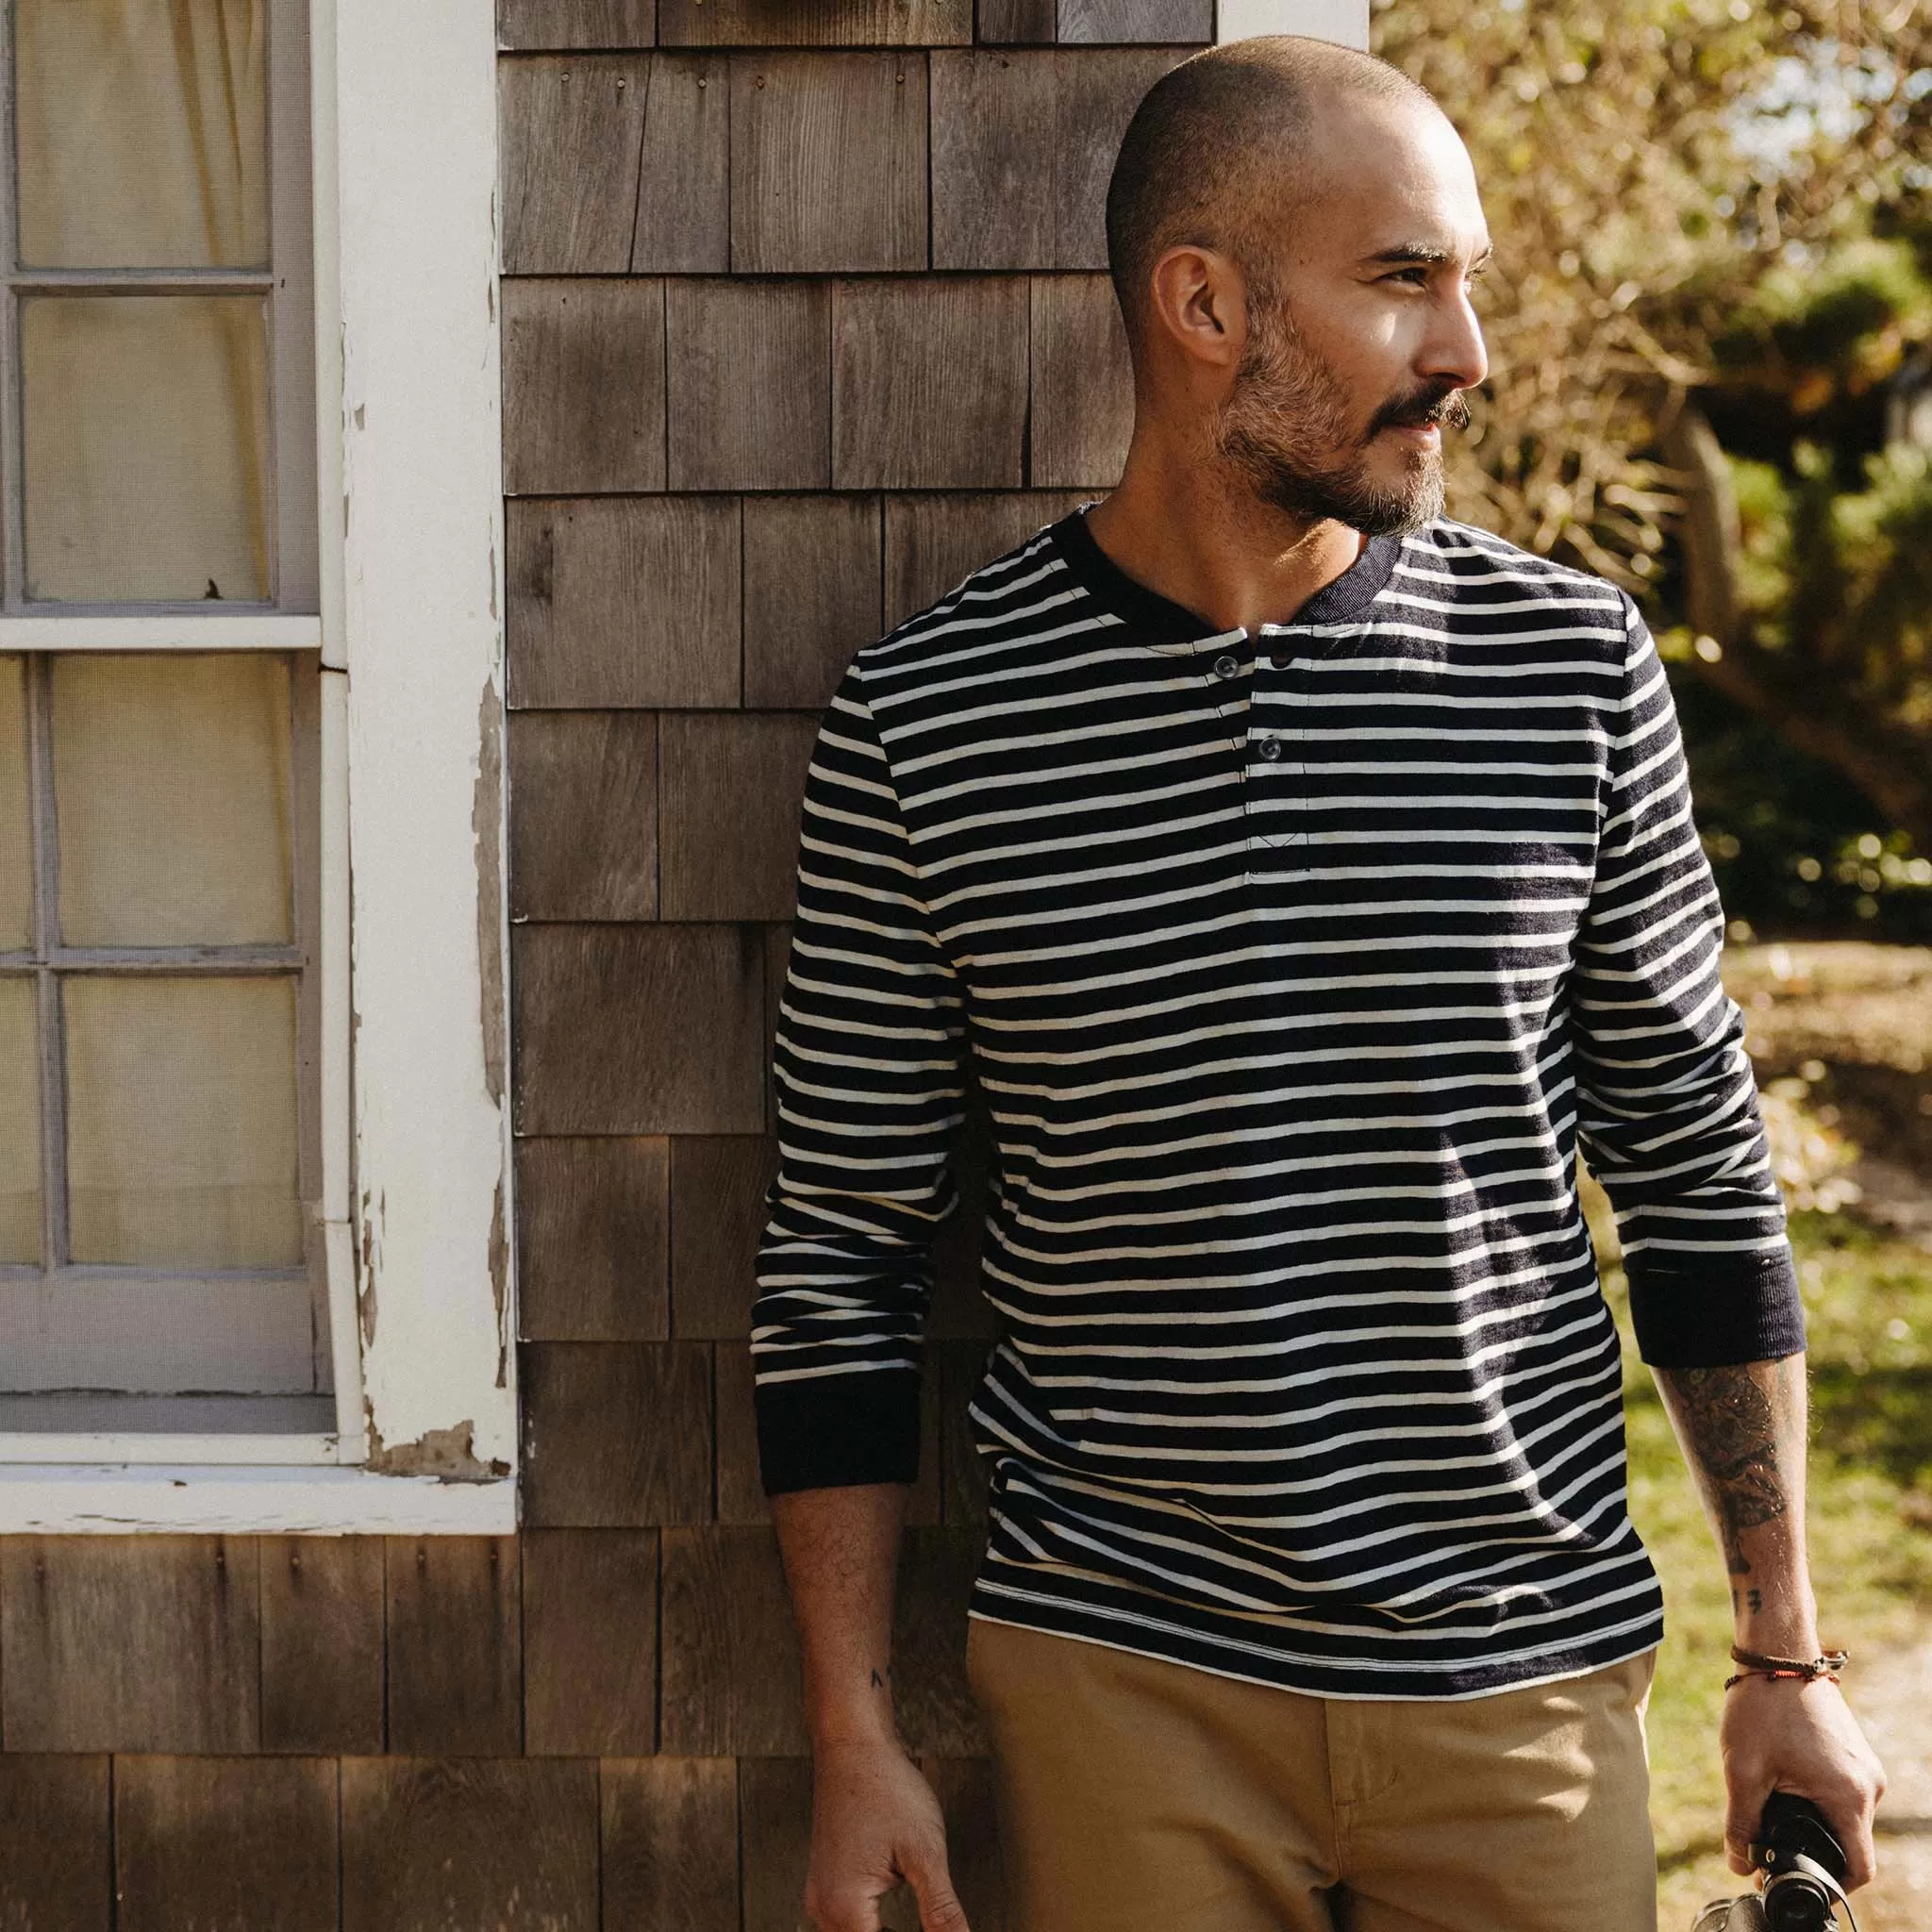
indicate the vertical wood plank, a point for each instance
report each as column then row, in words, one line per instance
column 775, row 1812
column 815, row 22
column 749, row 403
column 507, row 1843
column 1094, row 97
column 811, row 594
column 928, row 383
column 593, row 1221
column 1102, row 21
column 730, row 796
column 684, row 176
column 131, row 1643
column 623, row 603
column 616, row 1434
column 670, row 1845
column 455, row 1646
column 589, row 1642
column 576, row 23
column 933, row 542
column 1083, row 383
column 1011, row 22
column 225, row 1843
column 730, row 1678
column 583, row 385
column 741, row 1493
column 638, row 1029
column 827, row 162
column 570, row 128
column 718, row 1186
column 56, row 1850
column 583, row 815
column 322, row 1644
column 966, row 1791
column 993, row 160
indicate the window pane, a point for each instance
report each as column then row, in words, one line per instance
column 172, row 795
column 142, row 128
column 19, row 1124
column 146, row 421
column 181, row 1121
column 16, row 849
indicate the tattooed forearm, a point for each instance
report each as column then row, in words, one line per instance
column 1731, row 1434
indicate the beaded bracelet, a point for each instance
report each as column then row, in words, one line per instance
column 1828, row 1666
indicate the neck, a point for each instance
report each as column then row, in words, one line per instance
column 1183, row 527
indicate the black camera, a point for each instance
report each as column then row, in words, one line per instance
column 1803, row 1867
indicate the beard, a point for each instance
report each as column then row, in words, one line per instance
column 1286, row 427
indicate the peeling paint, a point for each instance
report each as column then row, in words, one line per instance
column 485, row 821
column 499, row 1285
column 365, row 1275
column 447, row 1454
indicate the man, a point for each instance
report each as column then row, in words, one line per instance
column 1300, row 877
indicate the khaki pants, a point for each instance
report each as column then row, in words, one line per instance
column 1138, row 1796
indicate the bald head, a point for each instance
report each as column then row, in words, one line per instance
column 1221, row 141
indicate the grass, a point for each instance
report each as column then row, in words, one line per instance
column 1868, row 1306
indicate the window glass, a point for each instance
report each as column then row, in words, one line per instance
column 172, row 795
column 19, row 1123
column 146, row 447
column 16, row 846
column 142, row 133
column 181, row 1121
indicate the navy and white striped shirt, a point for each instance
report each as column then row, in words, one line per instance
column 1292, row 969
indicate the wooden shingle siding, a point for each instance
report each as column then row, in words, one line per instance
column 576, row 23
column 748, row 401
column 930, row 1692
column 638, row 1029
column 730, row 797
column 932, row 542
column 323, row 1643
column 1083, row 385
column 593, row 1221
column 623, row 601
column 455, row 1646
column 131, row 1643
column 221, row 1843
column 1099, row 20
column 616, row 1435
column 683, row 184
column 815, row 22
column 929, row 383
column 507, row 1843
column 571, row 129
column 729, row 1682
column 589, row 1642
column 670, row 1845
column 717, row 1211
column 56, row 1855
column 812, row 584
column 1023, row 145
column 827, row 162
column 1015, row 23
column 583, row 385
column 583, row 823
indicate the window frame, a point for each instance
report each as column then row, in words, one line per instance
column 411, row 949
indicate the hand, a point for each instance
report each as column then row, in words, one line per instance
column 875, row 1821
column 1779, row 1734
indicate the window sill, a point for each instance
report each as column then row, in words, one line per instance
column 244, row 1499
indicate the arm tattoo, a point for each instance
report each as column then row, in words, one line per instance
column 1731, row 1430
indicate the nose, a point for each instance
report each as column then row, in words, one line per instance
column 1453, row 350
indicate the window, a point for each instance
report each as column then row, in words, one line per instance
column 163, row 1265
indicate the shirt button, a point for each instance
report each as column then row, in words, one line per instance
column 1226, row 664
column 1269, row 748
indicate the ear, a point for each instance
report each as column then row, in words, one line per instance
column 1199, row 303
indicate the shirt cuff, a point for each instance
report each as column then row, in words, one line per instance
column 832, row 1432
column 1708, row 1312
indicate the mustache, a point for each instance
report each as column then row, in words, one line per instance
column 1444, row 408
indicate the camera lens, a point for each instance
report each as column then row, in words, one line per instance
column 1796, row 1904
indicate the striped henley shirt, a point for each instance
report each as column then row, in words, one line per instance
column 1294, row 968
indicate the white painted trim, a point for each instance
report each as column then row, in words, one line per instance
column 1346, row 20
column 418, row 411
column 22, row 1453
column 197, row 630
column 69, row 1499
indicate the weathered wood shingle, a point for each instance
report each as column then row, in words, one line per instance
column 570, row 127
column 684, row 171
column 589, row 1642
column 323, row 1651
column 811, row 594
column 455, row 1646
column 576, row 23
column 583, row 815
column 670, row 1845
column 593, row 1223
column 1083, row 384
column 730, row 794
column 815, row 22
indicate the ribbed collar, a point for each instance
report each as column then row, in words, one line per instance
column 1158, row 621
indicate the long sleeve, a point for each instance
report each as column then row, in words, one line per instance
column 869, row 1082
column 1667, row 1105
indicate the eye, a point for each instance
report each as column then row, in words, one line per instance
column 1417, row 277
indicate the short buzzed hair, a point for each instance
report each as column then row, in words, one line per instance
column 1211, row 136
